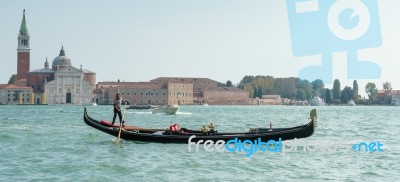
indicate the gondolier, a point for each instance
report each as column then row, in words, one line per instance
column 117, row 109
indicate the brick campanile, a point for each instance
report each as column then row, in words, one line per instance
column 23, row 51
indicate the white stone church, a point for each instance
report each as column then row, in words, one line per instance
column 70, row 85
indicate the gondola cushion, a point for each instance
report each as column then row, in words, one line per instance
column 107, row 123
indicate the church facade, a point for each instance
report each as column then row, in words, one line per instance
column 69, row 87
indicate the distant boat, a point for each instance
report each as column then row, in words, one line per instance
column 89, row 103
column 316, row 101
column 141, row 107
column 205, row 104
column 395, row 102
column 166, row 109
column 351, row 103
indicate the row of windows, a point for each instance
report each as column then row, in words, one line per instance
column 15, row 99
column 77, row 91
column 149, row 101
column 181, row 85
column 180, row 94
column 149, row 93
column 182, row 101
column 156, row 101
column 14, row 95
column 156, row 93
column 226, row 93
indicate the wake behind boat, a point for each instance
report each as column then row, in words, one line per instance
column 182, row 135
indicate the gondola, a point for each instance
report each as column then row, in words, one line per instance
column 182, row 136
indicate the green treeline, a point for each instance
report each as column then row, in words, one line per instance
column 292, row 88
column 298, row 89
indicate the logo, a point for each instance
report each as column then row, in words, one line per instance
column 249, row 147
column 327, row 26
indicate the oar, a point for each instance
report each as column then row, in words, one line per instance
column 120, row 126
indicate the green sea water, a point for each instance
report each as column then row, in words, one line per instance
column 52, row 143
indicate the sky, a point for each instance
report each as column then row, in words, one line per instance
column 135, row 40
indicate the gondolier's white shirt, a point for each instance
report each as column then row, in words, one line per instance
column 118, row 103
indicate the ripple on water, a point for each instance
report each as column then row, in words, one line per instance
column 52, row 143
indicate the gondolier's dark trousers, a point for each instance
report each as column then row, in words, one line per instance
column 116, row 111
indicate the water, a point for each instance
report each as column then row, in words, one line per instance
column 52, row 143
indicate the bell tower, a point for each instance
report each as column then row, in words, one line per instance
column 23, row 51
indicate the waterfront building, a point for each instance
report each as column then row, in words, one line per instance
column 13, row 94
column 143, row 93
column 207, row 91
column 269, row 100
column 140, row 93
column 225, row 96
column 180, row 91
column 171, row 90
column 199, row 85
column 70, row 85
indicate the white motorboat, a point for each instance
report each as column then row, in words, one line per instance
column 166, row 109
column 351, row 103
column 316, row 101
column 395, row 102
column 89, row 103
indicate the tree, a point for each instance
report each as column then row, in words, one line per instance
column 328, row 96
column 336, row 89
column 286, row 87
column 13, row 79
column 300, row 95
column 228, row 83
column 346, row 95
column 118, row 80
column 241, row 86
column 355, row 91
column 306, row 86
column 318, row 87
column 255, row 93
column 387, row 87
column 266, row 83
column 371, row 90
column 247, row 79
column 259, row 92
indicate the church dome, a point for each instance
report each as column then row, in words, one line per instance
column 61, row 61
